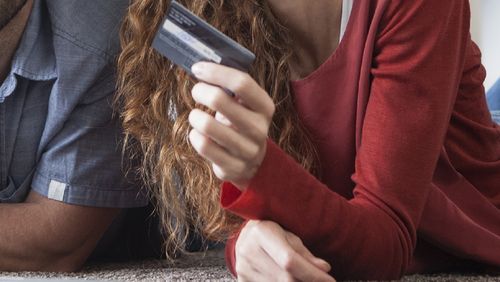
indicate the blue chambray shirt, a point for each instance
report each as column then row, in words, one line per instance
column 493, row 98
column 58, row 133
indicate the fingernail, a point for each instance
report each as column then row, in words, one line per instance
column 197, row 69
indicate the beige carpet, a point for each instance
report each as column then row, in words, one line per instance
column 196, row 267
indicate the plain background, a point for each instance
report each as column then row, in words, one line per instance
column 485, row 29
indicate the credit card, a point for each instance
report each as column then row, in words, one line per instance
column 186, row 39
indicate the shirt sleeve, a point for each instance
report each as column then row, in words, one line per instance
column 82, row 163
column 417, row 67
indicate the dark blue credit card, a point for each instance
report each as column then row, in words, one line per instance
column 185, row 39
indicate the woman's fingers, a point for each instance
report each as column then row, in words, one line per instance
column 292, row 261
column 256, row 265
column 212, row 151
column 223, row 119
column 273, row 240
column 223, row 135
column 253, row 263
column 242, row 134
column 238, row 82
column 246, row 121
column 224, row 165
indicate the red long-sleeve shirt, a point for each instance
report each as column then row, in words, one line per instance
column 410, row 157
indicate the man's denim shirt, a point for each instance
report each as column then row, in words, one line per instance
column 493, row 98
column 58, row 133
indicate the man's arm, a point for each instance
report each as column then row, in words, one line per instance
column 46, row 235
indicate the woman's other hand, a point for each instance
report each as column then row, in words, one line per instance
column 267, row 252
column 234, row 141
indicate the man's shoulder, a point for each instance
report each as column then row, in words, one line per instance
column 90, row 25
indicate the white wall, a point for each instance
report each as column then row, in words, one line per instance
column 485, row 29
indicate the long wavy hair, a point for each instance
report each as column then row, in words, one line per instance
column 154, row 102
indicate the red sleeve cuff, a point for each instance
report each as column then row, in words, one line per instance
column 229, row 195
column 254, row 201
column 230, row 252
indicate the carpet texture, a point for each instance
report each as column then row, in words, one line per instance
column 196, row 267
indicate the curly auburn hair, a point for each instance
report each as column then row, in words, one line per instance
column 154, row 101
